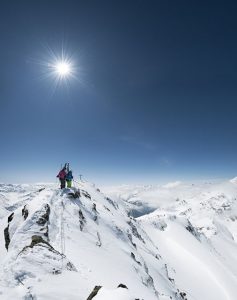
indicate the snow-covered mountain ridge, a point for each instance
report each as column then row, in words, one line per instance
column 61, row 244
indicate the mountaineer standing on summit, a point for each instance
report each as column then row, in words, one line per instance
column 69, row 178
column 62, row 177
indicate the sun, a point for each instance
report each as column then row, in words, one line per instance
column 60, row 68
column 63, row 69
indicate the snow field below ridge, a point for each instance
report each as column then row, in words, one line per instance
column 196, row 269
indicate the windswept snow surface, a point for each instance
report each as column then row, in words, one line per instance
column 194, row 227
column 176, row 241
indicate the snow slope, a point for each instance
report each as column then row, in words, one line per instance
column 60, row 247
column 194, row 226
column 181, row 245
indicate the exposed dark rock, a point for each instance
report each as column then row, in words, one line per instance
column 36, row 239
column 10, row 218
column 167, row 274
column 81, row 225
column 193, row 230
column 40, row 190
column 94, row 292
column 25, row 212
column 182, row 295
column 106, row 208
column 75, row 195
column 45, row 216
column 82, row 220
column 94, row 210
column 135, row 232
column 6, row 231
column 86, row 194
column 56, row 272
column 94, row 207
column 130, row 239
column 115, row 205
column 149, row 280
column 7, row 237
column 134, row 258
column 71, row 267
column 81, row 216
column 121, row 285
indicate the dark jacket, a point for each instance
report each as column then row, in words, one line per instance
column 69, row 176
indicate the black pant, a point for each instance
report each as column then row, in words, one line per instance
column 63, row 182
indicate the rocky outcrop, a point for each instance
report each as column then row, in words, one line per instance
column 43, row 219
column 135, row 232
column 86, row 194
column 121, row 285
column 45, row 215
column 10, row 218
column 6, row 231
column 25, row 212
column 57, row 259
column 95, row 212
column 94, row 292
column 75, row 194
column 36, row 239
column 193, row 230
column 82, row 220
column 134, row 258
column 114, row 204
column 7, row 237
column 98, row 287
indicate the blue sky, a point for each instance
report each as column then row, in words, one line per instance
column 154, row 99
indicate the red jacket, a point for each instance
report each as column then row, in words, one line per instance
column 62, row 174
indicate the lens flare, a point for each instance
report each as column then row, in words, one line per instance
column 59, row 68
column 63, row 69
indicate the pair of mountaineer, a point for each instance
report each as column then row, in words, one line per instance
column 65, row 176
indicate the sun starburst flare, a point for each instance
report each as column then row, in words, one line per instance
column 59, row 68
column 63, row 69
